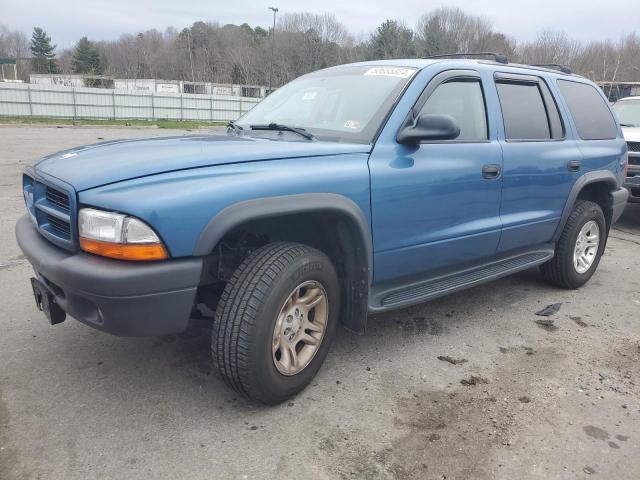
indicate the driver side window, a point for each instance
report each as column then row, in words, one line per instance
column 463, row 100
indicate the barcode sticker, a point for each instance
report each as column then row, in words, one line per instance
column 390, row 72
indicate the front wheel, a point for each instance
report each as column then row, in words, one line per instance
column 275, row 321
column 580, row 247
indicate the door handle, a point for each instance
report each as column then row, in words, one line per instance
column 491, row 171
column 573, row 165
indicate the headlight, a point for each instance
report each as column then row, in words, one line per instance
column 118, row 236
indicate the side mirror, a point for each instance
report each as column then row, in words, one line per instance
column 429, row 127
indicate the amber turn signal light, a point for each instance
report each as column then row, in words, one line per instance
column 124, row 251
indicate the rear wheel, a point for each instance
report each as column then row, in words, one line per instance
column 275, row 321
column 580, row 247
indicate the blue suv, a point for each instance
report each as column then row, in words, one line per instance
column 352, row 190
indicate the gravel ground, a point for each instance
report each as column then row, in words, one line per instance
column 540, row 402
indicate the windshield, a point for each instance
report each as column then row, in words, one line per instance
column 338, row 104
column 628, row 112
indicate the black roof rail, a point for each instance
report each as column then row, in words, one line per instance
column 555, row 66
column 498, row 57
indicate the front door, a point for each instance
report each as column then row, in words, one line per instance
column 436, row 206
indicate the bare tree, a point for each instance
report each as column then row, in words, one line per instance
column 15, row 44
column 211, row 52
column 450, row 30
column 550, row 46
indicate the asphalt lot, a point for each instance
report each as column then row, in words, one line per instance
column 560, row 402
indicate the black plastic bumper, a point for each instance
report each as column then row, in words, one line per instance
column 620, row 197
column 632, row 182
column 122, row 298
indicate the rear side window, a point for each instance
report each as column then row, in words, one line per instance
column 523, row 111
column 590, row 112
column 464, row 101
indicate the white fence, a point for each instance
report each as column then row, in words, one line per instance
column 26, row 100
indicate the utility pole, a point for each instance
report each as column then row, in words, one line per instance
column 193, row 77
column 273, row 43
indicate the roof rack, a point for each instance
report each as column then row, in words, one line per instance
column 498, row 57
column 556, row 66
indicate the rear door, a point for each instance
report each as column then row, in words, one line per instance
column 541, row 161
column 601, row 143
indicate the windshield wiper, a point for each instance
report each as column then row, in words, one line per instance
column 234, row 126
column 627, row 125
column 284, row 128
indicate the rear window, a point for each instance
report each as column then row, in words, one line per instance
column 590, row 112
column 523, row 111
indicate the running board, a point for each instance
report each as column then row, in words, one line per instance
column 443, row 285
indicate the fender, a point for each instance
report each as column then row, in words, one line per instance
column 590, row 177
column 238, row 213
column 359, row 263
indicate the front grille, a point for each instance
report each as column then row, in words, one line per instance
column 634, row 161
column 57, row 198
column 62, row 228
column 633, row 146
column 28, row 187
column 52, row 209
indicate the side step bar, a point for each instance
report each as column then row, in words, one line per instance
column 439, row 286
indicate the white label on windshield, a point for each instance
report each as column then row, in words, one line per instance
column 309, row 95
column 390, row 72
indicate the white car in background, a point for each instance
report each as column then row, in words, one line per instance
column 628, row 111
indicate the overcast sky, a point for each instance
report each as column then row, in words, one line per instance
column 68, row 20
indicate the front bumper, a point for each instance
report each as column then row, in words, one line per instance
column 620, row 197
column 632, row 182
column 122, row 298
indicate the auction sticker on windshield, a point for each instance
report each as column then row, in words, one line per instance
column 390, row 72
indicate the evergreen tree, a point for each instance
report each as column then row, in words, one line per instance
column 436, row 40
column 86, row 58
column 43, row 58
column 260, row 32
column 391, row 40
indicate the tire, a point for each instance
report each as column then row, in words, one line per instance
column 243, row 339
column 561, row 270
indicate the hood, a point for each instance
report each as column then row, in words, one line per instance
column 109, row 162
column 631, row 134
